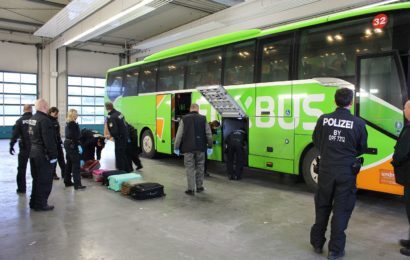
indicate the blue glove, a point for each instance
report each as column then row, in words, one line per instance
column 80, row 149
column 53, row 161
column 129, row 140
column 209, row 151
column 176, row 151
column 81, row 163
column 216, row 142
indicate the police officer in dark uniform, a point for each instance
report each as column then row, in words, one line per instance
column 118, row 130
column 42, row 155
column 235, row 149
column 340, row 138
column 20, row 130
column 53, row 113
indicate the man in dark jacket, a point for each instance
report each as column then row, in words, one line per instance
column 340, row 138
column 132, row 148
column 53, row 113
column 235, row 149
column 20, row 131
column 402, row 155
column 118, row 130
column 42, row 155
column 193, row 138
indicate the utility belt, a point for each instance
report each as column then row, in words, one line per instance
column 72, row 144
column 356, row 166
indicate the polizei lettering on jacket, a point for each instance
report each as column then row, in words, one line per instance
column 338, row 123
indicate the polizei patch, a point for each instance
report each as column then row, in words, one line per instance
column 338, row 123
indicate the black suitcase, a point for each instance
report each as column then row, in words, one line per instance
column 147, row 190
column 107, row 174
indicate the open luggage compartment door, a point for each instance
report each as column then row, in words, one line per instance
column 222, row 101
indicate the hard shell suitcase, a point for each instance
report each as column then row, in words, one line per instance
column 90, row 166
column 115, row 181
column 147, row 190
column 98, row 175
column 107, row 174
column 127, row 185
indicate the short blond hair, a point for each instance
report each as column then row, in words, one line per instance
column 194, row 107
column 71, row 114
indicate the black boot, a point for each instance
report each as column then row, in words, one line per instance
column 405, row 251
column 405, row 243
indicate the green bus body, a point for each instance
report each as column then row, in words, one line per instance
column 281, row 114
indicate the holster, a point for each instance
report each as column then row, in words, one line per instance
column 357, row 165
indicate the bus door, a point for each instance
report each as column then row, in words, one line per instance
column 163, row 123
column 380, row 95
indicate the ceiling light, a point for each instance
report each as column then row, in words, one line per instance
column 69, row 16
column 119, row 19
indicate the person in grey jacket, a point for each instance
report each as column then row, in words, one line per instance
column 193, row 138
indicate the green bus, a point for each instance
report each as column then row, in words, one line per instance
column 275, row 83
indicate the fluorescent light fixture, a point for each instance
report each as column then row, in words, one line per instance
column 70, row 15
column 119, row 19
column 377, row 4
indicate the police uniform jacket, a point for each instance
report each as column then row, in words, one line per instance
column 42, row 142
column 116, row 125
column 194, row 134
column 402, row 148
column 56, row 126
column 20, row 130
column 340, row 138
column 72, row 132
column 237, row 136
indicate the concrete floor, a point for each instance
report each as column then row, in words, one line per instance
column 264, row 216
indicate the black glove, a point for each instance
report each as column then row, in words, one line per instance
column 11, row 151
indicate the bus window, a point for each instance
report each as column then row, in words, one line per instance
column 240, row 63
column 275, row 60
column 171, row 74
column 331, row 50
column 131, row 82
column 148, row 78
column 204, row 69
column 114, row 85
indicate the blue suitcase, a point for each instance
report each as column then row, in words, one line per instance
column 115, row 181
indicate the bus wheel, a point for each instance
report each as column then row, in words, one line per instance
column 309, row 161
column 148, row 145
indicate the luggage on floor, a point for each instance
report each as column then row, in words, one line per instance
column 90, row 166
column 98, row 175
column 87, row 175
column 127, row 185
column 147, row 190
column 115, row 181
column 108, row 173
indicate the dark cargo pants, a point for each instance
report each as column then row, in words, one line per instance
column 337, row 193
column 42, row 180
column 23, row 157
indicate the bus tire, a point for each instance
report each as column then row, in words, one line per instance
column 309, row 176
column 148, row 144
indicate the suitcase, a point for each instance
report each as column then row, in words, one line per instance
column 90, row 166
column 98, row 175
column 115, row 181
column 107, row 174
column 147, row 190
column 127, row 185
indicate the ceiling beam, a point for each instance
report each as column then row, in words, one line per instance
column 50, row 3
column 20, row 22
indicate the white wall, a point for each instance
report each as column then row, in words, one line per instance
column 18, row 57
column 81, row 63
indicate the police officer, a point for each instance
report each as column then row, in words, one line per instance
column 20, row 130
column 132, row 148
column 42, row 155
column 235, row 149
column 53, row 113
column 72, row 149
column 340, row 138
column 118, row 130
column 193, row 138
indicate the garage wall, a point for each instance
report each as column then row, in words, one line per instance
column 82, row 63
column 18, row 57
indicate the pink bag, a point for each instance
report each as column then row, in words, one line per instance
column 98, row 175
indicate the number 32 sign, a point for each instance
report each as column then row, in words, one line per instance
column 380, row 21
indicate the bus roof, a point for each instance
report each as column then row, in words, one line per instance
column 255, row 33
